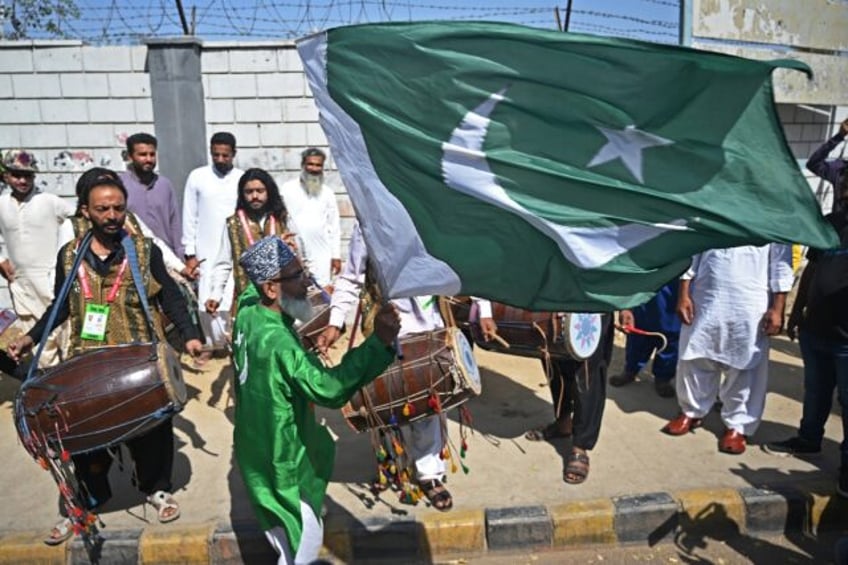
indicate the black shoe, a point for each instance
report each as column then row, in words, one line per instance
column 664, row 388
column 624, row 378
column 795, row 446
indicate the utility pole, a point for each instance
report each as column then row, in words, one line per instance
column 567, row 16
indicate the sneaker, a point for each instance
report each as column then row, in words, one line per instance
column 795, row 446
column 664, row 388
column 622, row 379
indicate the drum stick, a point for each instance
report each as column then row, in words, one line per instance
column 499, row 339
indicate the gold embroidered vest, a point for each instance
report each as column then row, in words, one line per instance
column 126, row 322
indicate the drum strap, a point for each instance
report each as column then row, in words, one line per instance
column 60, row 299
column 132, row 257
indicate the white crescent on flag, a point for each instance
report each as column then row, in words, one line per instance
column 465, row 169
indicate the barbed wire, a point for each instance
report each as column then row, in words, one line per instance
column 118, row 21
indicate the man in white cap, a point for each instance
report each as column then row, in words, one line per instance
column 31, row 223
column 285, row 456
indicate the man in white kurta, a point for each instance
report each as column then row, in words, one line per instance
column 209, row 198
column 313, row 207
column 33, row 227
column 731, row 301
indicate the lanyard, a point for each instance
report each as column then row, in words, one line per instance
column 82, row 274
column 246, row 227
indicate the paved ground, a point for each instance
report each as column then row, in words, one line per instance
column 506, row 470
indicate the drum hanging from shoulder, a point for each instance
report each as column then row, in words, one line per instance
column 558, row 335
column 437, row 372
column 100, row 398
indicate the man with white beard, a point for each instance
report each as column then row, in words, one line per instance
column 285, row 456
column 312, row 206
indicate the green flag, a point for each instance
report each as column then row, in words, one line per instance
column 551, row 171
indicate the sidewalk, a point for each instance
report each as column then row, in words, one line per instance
column 643, row 486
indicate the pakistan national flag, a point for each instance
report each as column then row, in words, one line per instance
column 551, row 170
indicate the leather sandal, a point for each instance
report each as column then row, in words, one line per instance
column 548, row 432
column 576, row 469
column 60, row 533
column 163, row 502
column 437, row 494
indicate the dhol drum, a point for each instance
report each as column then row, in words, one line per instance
column 558, row 335
column 172, row 334
column 312, row 328
column 100, row 398
column 438, row 364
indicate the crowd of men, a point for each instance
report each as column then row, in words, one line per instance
column 253, row 246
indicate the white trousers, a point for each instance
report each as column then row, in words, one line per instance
column 742, row 393
column 425, row 444
column 216, row 327
column 31, row 295
column 311, row 539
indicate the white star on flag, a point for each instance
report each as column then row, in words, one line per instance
column 627, row 145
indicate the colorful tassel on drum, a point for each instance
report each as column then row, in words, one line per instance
column 381, row 454
column 463, row 447
column 396, row 445
column 408, row 410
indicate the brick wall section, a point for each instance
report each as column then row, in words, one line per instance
column 258, row 91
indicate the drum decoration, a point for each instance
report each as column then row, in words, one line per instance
column 172, row 334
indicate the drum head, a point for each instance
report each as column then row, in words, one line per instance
column 465, row 361
column 582, row 334
column 174, row 382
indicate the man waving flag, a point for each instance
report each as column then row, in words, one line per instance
column 547, row 170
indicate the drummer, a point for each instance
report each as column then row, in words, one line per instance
column 116, row 318
column 284, row 455
column 419, row 314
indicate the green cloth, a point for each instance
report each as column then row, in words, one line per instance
column 284, row 455
column 552, row 171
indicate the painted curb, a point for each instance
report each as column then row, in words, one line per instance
column 646, row 518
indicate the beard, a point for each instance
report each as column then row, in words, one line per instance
column 298, row 308
column 312, row 183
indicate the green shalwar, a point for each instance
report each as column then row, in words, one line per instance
column 284, row 455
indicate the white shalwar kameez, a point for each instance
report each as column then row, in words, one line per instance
column 318, row 226
column 209, row 199
column 730, row 291
column 33, row 231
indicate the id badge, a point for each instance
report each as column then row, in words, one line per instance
column 94, row 324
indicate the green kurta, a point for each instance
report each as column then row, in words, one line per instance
column 284, row 455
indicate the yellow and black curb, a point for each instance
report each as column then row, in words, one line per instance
column 646, row 518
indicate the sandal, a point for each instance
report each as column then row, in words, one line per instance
column 166, row 507
column 546, row 433
column 576, row 469
column 437, row 494
column 60, row 532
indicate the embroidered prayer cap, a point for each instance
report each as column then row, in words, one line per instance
column 265, row 258
column 19, row 160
